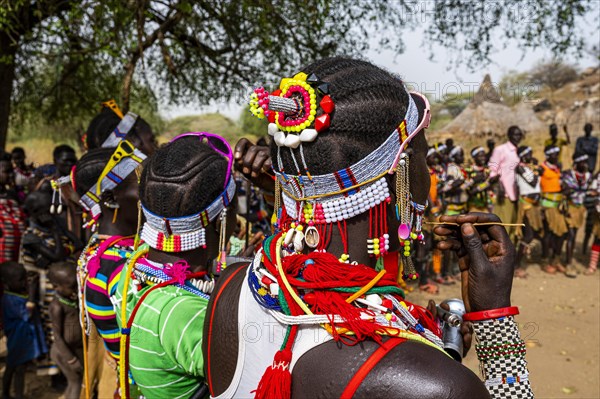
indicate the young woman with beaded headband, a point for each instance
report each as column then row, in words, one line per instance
column 349, row 158
column 101, row 261
column 187, row 195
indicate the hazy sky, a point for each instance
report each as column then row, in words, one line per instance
column 432, row 77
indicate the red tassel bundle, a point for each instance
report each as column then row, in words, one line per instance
column 276, row 382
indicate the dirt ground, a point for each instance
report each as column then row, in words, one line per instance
column 560, row 321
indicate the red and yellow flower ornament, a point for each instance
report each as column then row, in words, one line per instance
column 292, row 109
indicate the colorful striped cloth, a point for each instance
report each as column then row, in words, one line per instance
column 12, row 224
column 165, row 351
column 103, row 269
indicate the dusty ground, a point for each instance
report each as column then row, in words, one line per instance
column 560, row 321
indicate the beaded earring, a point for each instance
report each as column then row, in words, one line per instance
column 56, row 206
column 404, row 216
column 222, row 258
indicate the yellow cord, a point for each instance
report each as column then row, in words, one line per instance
column 367, row 287
column 123, row 378
column 297, row 299
column 399, row 333
column 85, row 355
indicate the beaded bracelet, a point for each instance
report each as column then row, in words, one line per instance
column 501, row 353
column 491, row 314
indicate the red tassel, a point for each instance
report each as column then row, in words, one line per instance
column 276, row 382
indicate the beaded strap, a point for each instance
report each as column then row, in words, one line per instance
column 501, row 353
column 120, row 131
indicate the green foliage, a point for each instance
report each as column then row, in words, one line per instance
column 213, row 123
column 553, row 74
column 72, row 54
column 251, row 125
column 474, row 28
column 516, row 86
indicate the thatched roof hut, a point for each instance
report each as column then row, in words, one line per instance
column 488, row 116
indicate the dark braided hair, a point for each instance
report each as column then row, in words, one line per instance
column 369, row 104
column 89, row 168
column 104, row 124
column 182, row 178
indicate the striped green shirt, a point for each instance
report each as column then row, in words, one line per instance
column 165, row 351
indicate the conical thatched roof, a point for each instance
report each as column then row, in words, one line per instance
column 487, row 115
column 487, row 92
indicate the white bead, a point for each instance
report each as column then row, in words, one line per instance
column 279, row 139
column 272, row 129
column 292, row 141
column 374, row 298
column 308, row 135
column 274, row 288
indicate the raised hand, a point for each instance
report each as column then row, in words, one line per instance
column 254, row 162
column 486, row 258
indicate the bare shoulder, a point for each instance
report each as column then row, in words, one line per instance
column 408, row 370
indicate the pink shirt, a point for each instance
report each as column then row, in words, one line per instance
column 503, row 162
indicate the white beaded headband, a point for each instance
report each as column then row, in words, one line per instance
column 184, row 233
column 348, row 192
column 375, row 164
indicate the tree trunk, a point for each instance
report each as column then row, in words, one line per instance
column 8, row 50
column 127, row 82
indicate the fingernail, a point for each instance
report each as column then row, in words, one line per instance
column 246, row 170
column 238, row 155
column 467, row 229
column 254, row 174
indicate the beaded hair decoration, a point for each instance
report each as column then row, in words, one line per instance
column 308, row 207
column 184, row 233
column 124, row 160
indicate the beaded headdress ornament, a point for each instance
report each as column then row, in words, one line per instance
column 324, row 200
column 184, row 233
column 124, row 160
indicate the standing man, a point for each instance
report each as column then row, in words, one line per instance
column 588, row 145
column 491, row 144
column 503, row 162
column 554, row 141
column 555, row 225
column 575, row 184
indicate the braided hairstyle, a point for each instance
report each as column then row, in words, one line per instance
column 104, row 124
column 182, row 178
column 90, row 167
column 369, row 104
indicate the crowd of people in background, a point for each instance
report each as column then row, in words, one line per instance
column 42, row 234
column 547, row 199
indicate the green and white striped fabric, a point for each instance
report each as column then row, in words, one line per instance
column 165, row 352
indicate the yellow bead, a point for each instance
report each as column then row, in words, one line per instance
column 376, row 252
column 388, row 316
column 300, row 76
column 375, row 240
column 300, row 227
